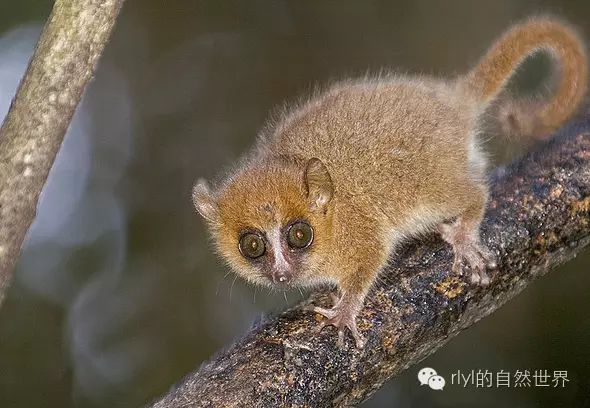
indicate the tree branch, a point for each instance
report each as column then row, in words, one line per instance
column 63, row 63
column 538, row 217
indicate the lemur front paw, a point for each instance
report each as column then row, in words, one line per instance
column 342, row 316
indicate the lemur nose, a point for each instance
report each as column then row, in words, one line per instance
column 281, row 277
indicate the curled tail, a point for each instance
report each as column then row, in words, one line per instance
column 529, row 117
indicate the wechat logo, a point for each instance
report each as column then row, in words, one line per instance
column 428, row 376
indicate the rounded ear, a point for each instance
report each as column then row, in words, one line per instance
column 204, row 201
column 318, row 184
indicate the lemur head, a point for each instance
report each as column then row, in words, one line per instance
column 273, row 222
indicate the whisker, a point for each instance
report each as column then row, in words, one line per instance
column 285, row 296
column 232, row 287
column 219, row 282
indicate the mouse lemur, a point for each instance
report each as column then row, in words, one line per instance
column 331, row 188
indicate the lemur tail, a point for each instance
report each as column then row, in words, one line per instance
column 526, row 117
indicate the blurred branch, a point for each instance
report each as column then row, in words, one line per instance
column 63, row 63
column 538, row 217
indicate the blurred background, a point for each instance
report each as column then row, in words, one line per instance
column 118, row 293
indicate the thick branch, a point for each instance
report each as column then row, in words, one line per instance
column 63, row 63
column 538, row 217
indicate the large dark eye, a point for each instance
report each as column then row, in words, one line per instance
column 299, row 235
column 252, row 245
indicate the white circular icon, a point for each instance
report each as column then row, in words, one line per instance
column 428, row 376
column 425, row 374
column 436, row 382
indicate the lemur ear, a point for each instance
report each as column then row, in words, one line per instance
column 318, row 184
column 204, row 201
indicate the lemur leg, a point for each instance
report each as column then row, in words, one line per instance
column 355, row 273
column 463, row 234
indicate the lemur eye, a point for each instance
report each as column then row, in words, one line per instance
column 299, row 235
column 252, row 245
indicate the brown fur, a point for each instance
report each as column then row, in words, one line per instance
column 373, row 161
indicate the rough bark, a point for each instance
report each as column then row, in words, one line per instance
column 538, row 217
column 63, row 63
